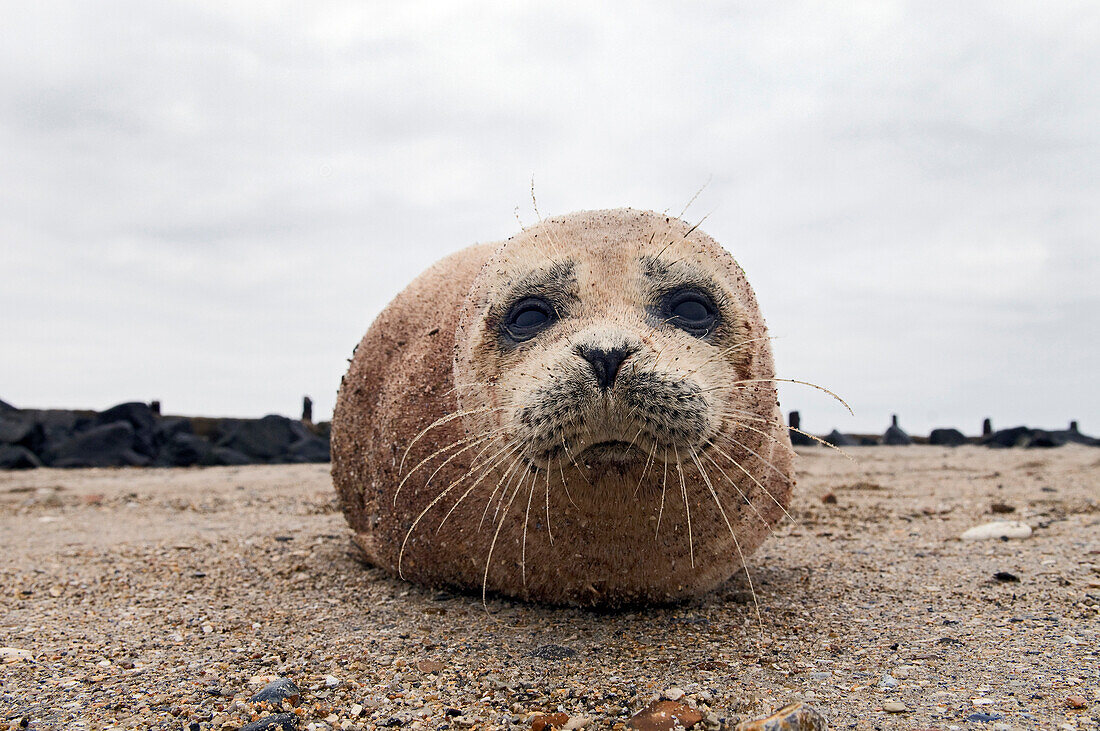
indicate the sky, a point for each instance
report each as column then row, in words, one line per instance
column 208, row 203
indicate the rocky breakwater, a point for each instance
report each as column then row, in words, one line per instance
column 134, row 435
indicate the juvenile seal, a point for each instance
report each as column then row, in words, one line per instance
column 583, row 414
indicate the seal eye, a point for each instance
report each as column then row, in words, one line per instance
column 528, row 318
column 692, row 311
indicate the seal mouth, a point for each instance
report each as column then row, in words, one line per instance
column 609, row 452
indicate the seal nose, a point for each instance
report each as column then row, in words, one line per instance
column 605, row 363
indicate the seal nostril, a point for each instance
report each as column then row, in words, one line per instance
column 605, row 363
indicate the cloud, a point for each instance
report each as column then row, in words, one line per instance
column 208, row 204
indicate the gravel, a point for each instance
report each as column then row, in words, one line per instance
column 166, row 599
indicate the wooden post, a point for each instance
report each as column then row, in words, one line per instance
column 307, row 409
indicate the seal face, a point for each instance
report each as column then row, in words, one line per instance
column 610, row 432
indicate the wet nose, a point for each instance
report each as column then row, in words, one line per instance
column 605, row 363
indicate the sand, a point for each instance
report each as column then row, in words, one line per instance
column 145, row 598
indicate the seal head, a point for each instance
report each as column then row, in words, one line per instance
column 618, row 440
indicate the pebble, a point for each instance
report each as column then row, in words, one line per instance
column 278, row 722
column 552, row 652
column 794, row 717
column 888, row 681
column 997, row 529
column 14, row 654
column 1077, row 701
column 673, row 694
column 984, row 717
column 332, row 681
column 278, row 690
column 664, row 716
column 894, row 707
column 547, row 721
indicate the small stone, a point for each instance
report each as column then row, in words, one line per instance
column 278, row 722
column 279, row 690
column 1077, row 701
column 331, row 681
column 888, row 681
column 997, row 529
column 548, row 721
column 794, row 717
column 894, row 707
column 14, row 654
column 430, row 666
column 664, row 716
column 1005, row 576
column 828, row 498
column 1001, row 508
column 673, row 694
column 984, row 717
column 552, row 652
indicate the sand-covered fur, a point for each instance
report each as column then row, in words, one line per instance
column 624, row 448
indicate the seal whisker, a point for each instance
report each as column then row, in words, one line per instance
column 754, row 480
column 736, row 487
column 817, row 439
column 475, row 440
column 431, row 504
column 493, row 543
column 664, row 483
column 733, row 535
column 801, row 383
column 549, row 533
column 444, row 420
column 488, row 503
column 687, row 507
column 507, row 451
column 649, row 461
column 523, row 544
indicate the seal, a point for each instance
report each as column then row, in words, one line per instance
column 584, row 414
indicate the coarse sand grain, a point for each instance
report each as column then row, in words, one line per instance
column 156, row 599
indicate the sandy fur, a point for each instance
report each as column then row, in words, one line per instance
column 558, row 532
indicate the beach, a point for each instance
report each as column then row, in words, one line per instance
column 163, row 598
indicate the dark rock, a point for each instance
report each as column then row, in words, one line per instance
column 1006, row 576
column 894, row 435
column 277, row 691
column 1075, row 436
column 1045, row 439
column 226, row 457
column 307, row 409
column 947, row 437
column 15, row 457
column 552, row 652
column 278, row 722
column 16, row 429
column 1006, row 438
column 987, row 427
column 837, row 439
column 973, row 717
column 167, row 428
column 309, row 449
column 265, row 440
column 869, row 441
column 797, row 438
column 140, row 417
column 110, row 445
column 5, row 406
column 185, row 450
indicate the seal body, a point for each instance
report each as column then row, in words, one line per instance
column 583, row 414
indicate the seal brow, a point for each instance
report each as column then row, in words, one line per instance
column 556, row 283
column 666, row 276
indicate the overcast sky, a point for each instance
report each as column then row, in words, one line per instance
column 208, row 203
